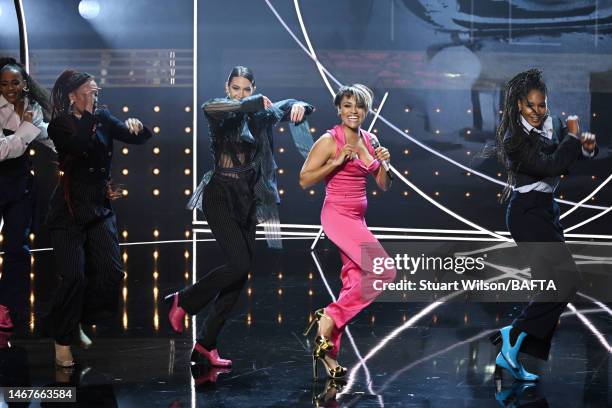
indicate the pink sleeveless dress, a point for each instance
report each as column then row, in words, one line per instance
column 343, row 220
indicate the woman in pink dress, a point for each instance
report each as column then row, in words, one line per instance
column 344, row 157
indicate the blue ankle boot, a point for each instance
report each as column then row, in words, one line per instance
column 507, row 358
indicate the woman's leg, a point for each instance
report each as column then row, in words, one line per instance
column 540, row 240
column 15, row 280
column 358, row 247
column 224, row 283
column 104, row 271
column 62, row 322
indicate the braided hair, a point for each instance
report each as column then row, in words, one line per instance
column 516, row 90
column 35, row 91
column 68, row 81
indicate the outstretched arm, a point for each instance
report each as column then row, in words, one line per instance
column 131, row 131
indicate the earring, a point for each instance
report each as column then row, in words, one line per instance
column 26, row 89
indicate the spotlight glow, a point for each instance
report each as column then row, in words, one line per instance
column 89, row 9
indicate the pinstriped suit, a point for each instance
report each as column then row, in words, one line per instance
column 82, row 222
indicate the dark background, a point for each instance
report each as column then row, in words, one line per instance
column 443, row 64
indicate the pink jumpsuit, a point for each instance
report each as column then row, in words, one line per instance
column 342, row 218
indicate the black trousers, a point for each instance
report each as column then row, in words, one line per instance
column 88, row 261
column 17, row 204
column 229, row 206
column 533, row 219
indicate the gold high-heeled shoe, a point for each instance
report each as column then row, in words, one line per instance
column 321, row 347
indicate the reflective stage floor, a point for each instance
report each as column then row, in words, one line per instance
column 398, row 354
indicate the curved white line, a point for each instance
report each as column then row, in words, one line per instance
column 593, row 218
column 585, row 199
column 482, row 175
column 319, row 65
column 443, row 208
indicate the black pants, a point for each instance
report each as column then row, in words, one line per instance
column 17, row 200
column 88, row 261
column 229, row 206
column 533, row 219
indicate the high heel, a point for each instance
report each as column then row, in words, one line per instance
column 507, row 358
column 211, row 356
column 176, row 314
column 318, row 314
column 322, row 345
column 6, row 324
column 518, row 373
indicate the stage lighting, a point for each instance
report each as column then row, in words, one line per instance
column 89, row 9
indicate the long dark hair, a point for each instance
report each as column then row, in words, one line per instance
column 241, row 71
column 516, row 89
column 35, row 91
column 68, row 81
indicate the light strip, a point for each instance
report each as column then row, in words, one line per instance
column 194, row 109
column 585, row 199
column 443, row 208
column 377, row 113
column 427, row 230
column 319, row 65
column 418, row 143
column 596, row 216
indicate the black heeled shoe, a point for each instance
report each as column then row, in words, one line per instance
column 322, row 346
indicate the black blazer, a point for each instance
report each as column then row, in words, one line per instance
column 85, row 151
column 534, row 158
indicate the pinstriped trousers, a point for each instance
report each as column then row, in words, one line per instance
column 229, row 206
column 87, row 259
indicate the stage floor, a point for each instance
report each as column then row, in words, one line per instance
column 398, row 354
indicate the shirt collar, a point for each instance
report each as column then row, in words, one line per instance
column 547, row 127
column 4, row 102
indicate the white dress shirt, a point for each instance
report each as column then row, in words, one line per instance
column 15, row 145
